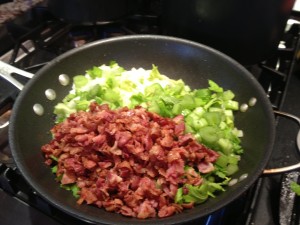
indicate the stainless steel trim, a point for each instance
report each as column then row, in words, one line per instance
column 6, row 71
column 291, row 167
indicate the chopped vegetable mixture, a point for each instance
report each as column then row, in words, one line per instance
column 207, row 117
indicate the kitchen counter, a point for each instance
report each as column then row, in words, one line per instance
column 10, row 10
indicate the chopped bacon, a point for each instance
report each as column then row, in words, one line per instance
column 128, row 161
column 113, row 179
column 89, row 164
column 193, row 177
column 88, row 195
column 112, row 205
column 146, row 210
column 127, row 211
column 169, row 210
column 68, row 178
column 205, row 167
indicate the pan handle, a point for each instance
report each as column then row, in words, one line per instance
column 291, row 167
column 6, row 71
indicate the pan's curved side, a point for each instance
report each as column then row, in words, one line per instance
column 177, row 58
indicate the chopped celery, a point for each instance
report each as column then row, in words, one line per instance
column 153, row 89
column 204, row 94
column 82, row 105
column 189, row 129
column 177, row 109
column 95, row 72
column 128, row 85
column 54, row 158
column 199, row 194
column 222, row 161
column 185, row 112
column 295, row 187
column 202, row 122
column 227, row 95
column 213, row 118
column 62, row 109
column 233, row 159
column 71, row 187
column 80, row 81
column 187, row 102
column 96, row 90
column 230, row 104
column 199, row 111
column 155, row 74
column 231, row 169
column 111, row 96
column 191, row 119
column 54, row 169
column 209, row 135
column 136, row 100
column 178, row 196
column 154, row 107
column 214, row 87
column 225, row 145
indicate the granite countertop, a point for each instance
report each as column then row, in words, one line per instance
column 11, row 10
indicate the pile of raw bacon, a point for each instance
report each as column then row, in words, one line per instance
column 129, row 161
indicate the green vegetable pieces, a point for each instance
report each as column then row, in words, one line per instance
column 117, row 87
column 295, row 188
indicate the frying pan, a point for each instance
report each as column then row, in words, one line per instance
column 178, row 58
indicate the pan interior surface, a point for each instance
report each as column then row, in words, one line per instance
column 176, row 58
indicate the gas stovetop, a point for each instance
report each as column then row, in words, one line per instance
column 40, row 37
